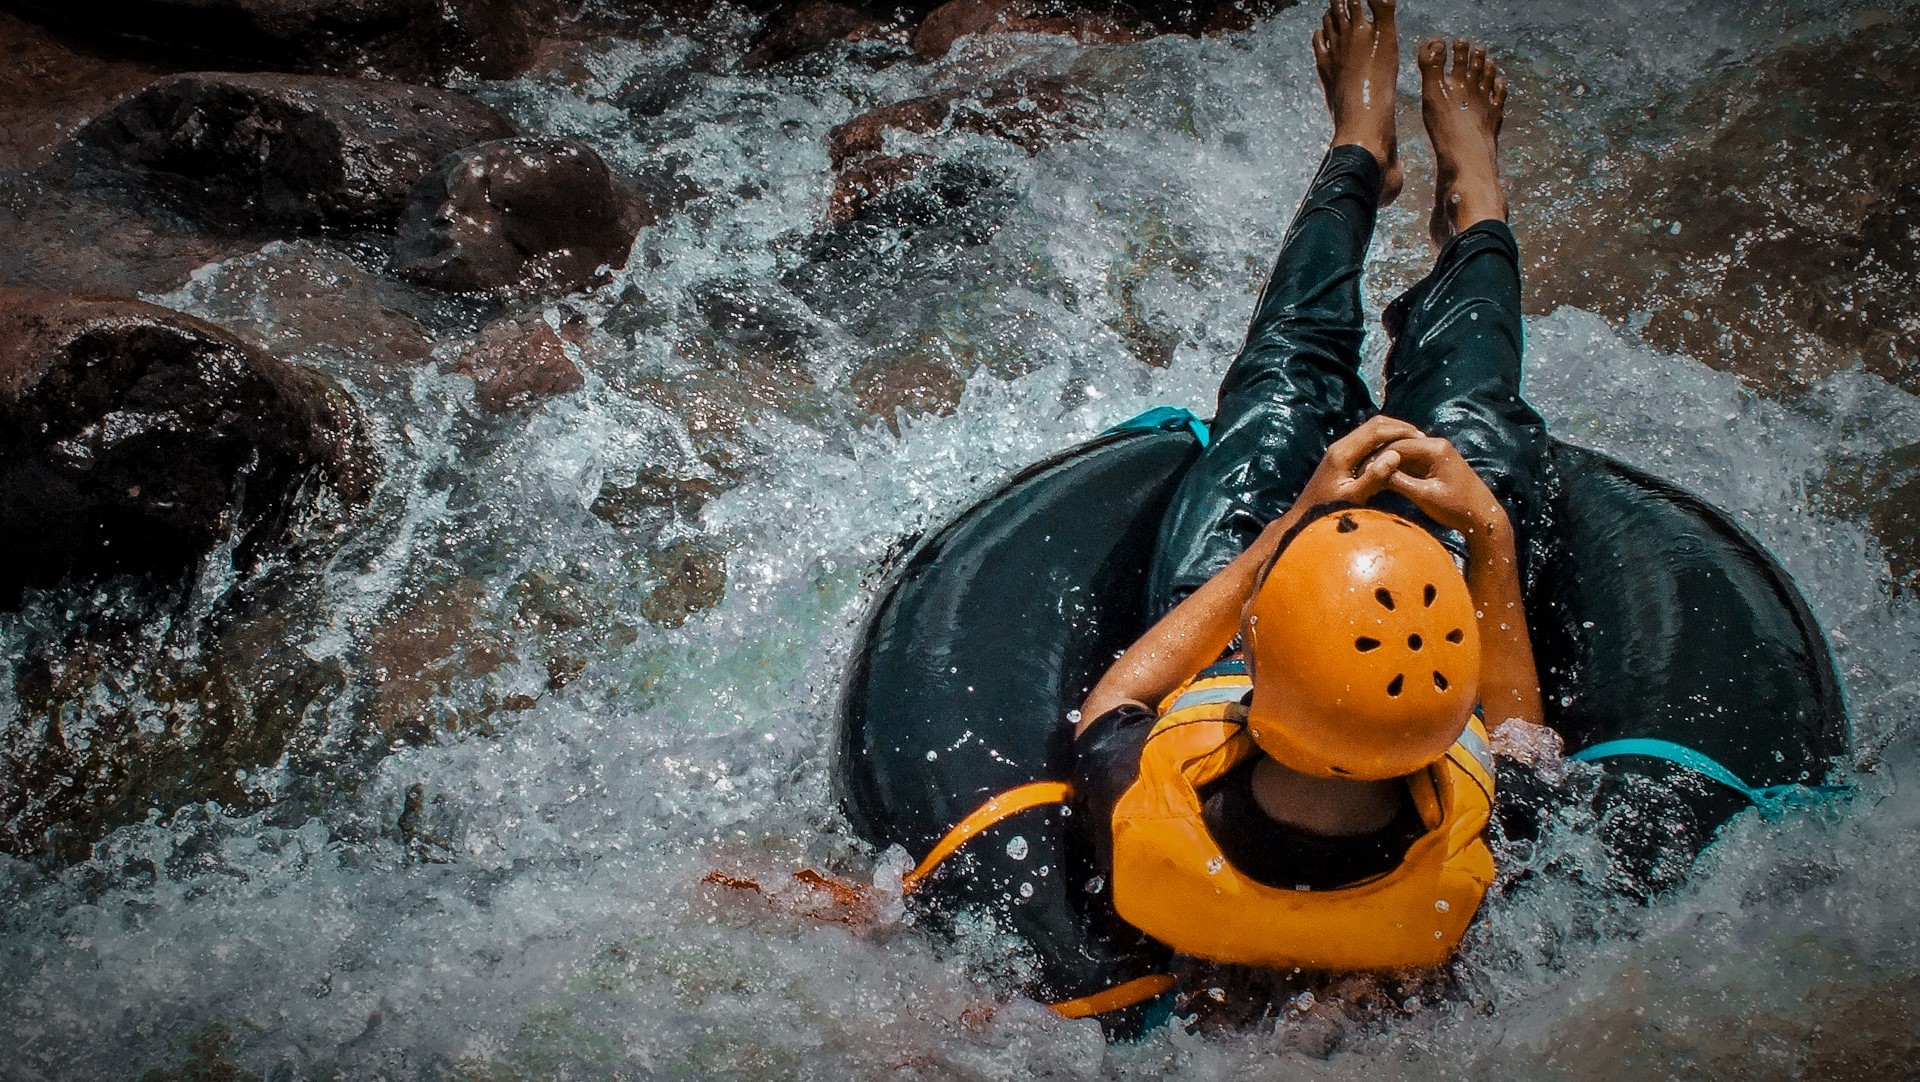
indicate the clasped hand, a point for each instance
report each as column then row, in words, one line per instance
column 1386, row 454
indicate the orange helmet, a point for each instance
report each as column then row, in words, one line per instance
column 1364, row 649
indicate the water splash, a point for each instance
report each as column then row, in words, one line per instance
column 491, row 867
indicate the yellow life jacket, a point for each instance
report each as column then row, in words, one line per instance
column 1171, row 881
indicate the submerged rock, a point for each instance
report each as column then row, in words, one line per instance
column 1087, row 21
column 809, row 25
column 527, row 215
column 512, row 362
column 957, row 19
column 1774, row 235
column 693, row 578
column 275, row 152
column 135, row 439
column 398, row 38
column 1031, row 112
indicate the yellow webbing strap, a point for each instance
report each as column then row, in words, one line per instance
column 1137, row 990
column 1012, row 802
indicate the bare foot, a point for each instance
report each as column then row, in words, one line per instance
column 1358, row 60
column 1463, row 110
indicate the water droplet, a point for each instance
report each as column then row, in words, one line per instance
column 1217, row 994
column 1304, row 1001
column 1096, row 884
column 1436, row 933
column 1073, row 717
column 1017, row 847
column 1026, row 890
column 932, row 755
column 1779, row 758
column 1442, row 906
column 1214, row 865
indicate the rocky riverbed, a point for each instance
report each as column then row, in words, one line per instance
column 448, row 446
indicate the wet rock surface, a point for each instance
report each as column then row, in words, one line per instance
column 47, row 89
column 1031, row 112
column 1774, row 235
column 277, row 153
column 134, row 439
column 951, row 21
column 396, row 38
column 108, row 739
column 802, row 28
column 513, row 362
column 523, row 216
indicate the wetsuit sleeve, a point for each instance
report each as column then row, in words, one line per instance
column 1106, row 761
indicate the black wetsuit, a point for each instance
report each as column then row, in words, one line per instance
column 1453, row 371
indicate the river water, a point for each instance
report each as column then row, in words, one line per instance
column 510, row 888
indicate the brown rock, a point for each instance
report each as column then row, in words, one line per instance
column 522, row 216
column 1030, row 112
column 807, row 26
column 134, row 438
column 54, row 237
column 112, row 729
column 409, row 39
column 957, row 19
column 1738, row 250
column 910, row 385
column 426, row 657
column 514, row 361
column 48, row 88
column 272, row 152
column 693, row 579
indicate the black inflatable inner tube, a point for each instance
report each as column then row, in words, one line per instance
column 1656, row 617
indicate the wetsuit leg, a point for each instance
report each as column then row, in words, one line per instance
column 1293, row 390
column 1454, row 370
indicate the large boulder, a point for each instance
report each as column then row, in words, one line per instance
column 134, row 439
column 529, row 215
column 277, row 152
column 408, row 39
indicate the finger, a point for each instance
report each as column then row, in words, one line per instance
column 1349, row 450
column 1373, row 475
column 1425, row 492
column 1421, row 454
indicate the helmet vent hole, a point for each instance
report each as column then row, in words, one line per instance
column 1366, row 645
column 1393, row 688
column 1456, row 636
column 1384, row 596
column 1414, row 643
column 1439, row 681
column 1429, row 595
column 1346, row 524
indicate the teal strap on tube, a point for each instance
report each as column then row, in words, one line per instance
column 1165, row 418
column 1771, row 800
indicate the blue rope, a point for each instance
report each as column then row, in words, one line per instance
column 1773, row 800
column 1164, row 419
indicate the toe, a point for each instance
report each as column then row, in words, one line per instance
column 1337, row 11
column 1432, row 54
column 1327, row 30
column 1382, row 9
column 1461, row 50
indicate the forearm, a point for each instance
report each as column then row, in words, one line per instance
column 1188, row 638
column 1509, row 679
